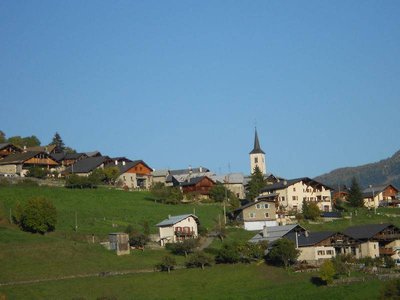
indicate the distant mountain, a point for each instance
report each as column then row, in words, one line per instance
column 386, row 171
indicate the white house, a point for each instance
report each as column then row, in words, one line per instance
column 178, row 228
column 292, row 193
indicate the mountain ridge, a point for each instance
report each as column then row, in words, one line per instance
column 385, row 171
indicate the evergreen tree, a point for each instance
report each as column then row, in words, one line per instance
column 355, row 196
column 256, row 183
column 57, row 140
column 2, row 137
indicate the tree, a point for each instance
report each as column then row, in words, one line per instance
column 2, row 137
column 38, row 215
column 29, row 141
column 199, row 260
column 167, row 263
column 283, row 252
column 184, row 247
column 355, row 196
column 37, row 172
column 111, row 174
column 391, row 290
column 255, row 184
column 310, row 210
column 327, row 271
column 219, row 193
column 57, row 140
column 166, row 194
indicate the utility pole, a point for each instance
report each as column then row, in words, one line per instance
column 76, row 221
column 10, row 216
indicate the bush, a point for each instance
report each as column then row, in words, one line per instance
column 74, row 181
column 391, row 290
column 199, row 260
column 166, row 194
column 389, row 262
column 38, row 215
column 310, row 210
column 228, row 254
column 37, row 172
column 327, row 271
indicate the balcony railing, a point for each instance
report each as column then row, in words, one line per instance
column 386, row 251
column 184, row 233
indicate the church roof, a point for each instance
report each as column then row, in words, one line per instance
column 257, row 148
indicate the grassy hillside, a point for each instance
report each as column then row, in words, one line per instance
column 97, row 210
column 219, row 282
column 383, row 172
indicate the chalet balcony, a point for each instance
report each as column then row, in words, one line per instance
column 386, row 251
column 184, row 233
column 388, row 236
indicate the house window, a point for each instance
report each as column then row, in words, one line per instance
column 294, row 189
column 258, row 206
column 252, row 215
column 124, row 178
column 295, row 198
column 266, row 205
column 295, row 207
column 320, row 252
column 267, row 215
column 283, row 198
column 256, row 160
column 329, row 252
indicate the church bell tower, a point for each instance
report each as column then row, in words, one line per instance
column 257, row 157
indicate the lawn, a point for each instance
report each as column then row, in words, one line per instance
column 218, row 282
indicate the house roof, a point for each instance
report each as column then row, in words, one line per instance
column 18, row 158
column 5, row 145
column 253, row 203
column 87, row 165
column 93, row 153
column 194, row 181
column 257, row 148
column 66, row 156
column 310, row 238
column 365, row 231
column 189, row 171
column 374, row 190
column 160, row 173
column 128, row 165
column 275, row 233
column 285, row 183
column 49, row 148
column 231, row 178
column 175, row 219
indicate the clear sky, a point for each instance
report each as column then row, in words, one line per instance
column 181, row 83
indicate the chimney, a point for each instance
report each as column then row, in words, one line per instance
column 285, row 182
column 169, row 216
column 306, row 234
column 190, row 169
column 265, row 231
column 116, row 162
column 123, row 163
column 201, row 170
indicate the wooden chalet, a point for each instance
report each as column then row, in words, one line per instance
column 201, row 185
column 7, row 149
column 19, row 163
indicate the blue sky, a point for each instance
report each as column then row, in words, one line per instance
column 181, row 83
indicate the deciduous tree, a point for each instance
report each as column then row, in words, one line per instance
column 283, row 252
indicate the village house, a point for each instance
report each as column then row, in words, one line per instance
column 49, row 149
column 178, row 228
column 382, row 195
column 198, row 185
column 177, row 177
column 233, row 182
column 20, row 163
column 272, row 234
column 256, row 215
column 292, row 193
column 133, row 174
column 7, row 149
column 86, row 166
column 160, row 176
column 67, row 159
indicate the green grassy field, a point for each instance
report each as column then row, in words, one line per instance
column 218, row 282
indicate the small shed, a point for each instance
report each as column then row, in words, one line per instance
column 119, row 242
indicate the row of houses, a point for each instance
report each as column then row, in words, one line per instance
column 371, row 240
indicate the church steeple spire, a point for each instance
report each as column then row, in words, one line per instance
column 257, row 156
column 257, row 149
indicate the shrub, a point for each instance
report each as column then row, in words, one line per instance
column 183, row 248
column 389, row 262
column 327, row 271
column 199, row 260
column 310, row 210
column 228, row 254
column 37, row 172
column 391, row 290
column 38, row 215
